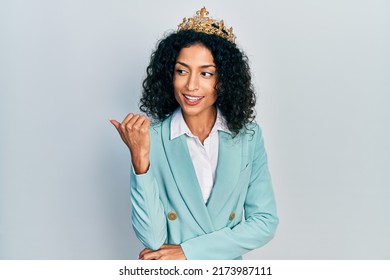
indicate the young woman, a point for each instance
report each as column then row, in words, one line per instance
column 200, row 186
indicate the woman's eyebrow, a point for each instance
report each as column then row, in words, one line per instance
column 203, row 66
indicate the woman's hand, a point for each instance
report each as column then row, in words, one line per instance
column 166, row 252
column 134, row 131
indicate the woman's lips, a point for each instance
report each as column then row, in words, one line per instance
column 192, row 100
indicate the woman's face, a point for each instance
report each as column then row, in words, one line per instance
column 194, row 81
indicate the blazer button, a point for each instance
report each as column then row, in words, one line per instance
column 232, row 215
column 172, row 216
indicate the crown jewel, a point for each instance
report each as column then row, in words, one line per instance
column 202, row 23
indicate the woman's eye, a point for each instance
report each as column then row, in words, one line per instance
column 180, row 71
column 207, row 74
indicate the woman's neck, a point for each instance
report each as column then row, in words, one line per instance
column 201, row 125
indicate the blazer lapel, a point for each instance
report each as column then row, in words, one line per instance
column 183, row 172
column 228, row 171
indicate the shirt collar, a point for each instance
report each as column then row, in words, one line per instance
column 179, row 126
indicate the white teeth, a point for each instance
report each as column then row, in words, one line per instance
column 193, row 98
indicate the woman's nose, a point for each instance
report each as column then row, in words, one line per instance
column 193, row 82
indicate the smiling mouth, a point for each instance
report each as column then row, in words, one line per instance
column 193, row 98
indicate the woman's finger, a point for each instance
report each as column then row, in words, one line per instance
column 128, row 126
column 145, row 126
column 138, row 124
column 143, row 252
column 152, row 255
column 115, row 123
column 128, row 117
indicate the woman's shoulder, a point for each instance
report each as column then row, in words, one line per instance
column 252, row 129
column 157, row 126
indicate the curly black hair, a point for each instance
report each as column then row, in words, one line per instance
column 235, row 94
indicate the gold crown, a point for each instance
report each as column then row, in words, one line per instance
column 202, row 23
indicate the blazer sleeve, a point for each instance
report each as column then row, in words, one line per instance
column 148, row 218
column 259, row 224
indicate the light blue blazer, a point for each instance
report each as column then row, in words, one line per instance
column 168, row 207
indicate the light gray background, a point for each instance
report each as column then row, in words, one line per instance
column 321, row 69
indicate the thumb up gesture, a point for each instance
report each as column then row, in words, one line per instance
column 134, row 131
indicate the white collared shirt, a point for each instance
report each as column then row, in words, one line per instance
column 204, row 156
